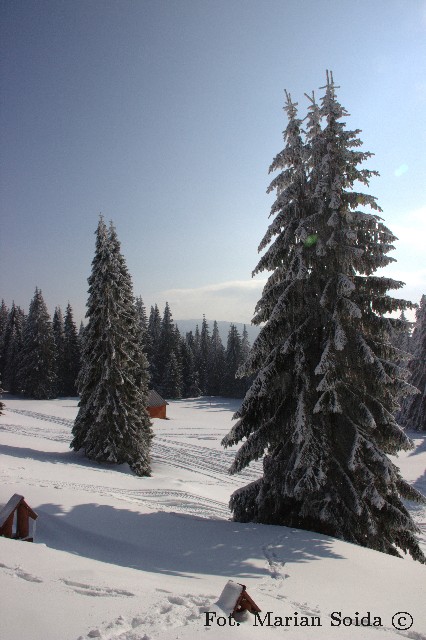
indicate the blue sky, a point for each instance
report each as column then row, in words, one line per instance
column 165, row 116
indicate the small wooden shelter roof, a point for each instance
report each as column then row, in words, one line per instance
column 13, row 504
column 155, row 400
column 235, row 599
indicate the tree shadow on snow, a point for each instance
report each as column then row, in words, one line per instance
column 62, row 457
column 420, row 484
column 175, row 544
column 421, row 447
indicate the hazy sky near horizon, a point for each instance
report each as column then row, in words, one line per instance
column 165, row 116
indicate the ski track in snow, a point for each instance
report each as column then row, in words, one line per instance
column 208, row 462
column 17, row 572
column 91, row 590
column 167, row 449
column 43, row 416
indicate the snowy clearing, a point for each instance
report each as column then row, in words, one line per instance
column 119, row 557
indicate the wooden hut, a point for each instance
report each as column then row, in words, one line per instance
column 15, row 519
column 235, row 599
column 156, row 405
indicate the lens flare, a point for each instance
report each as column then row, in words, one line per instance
column 311, row 240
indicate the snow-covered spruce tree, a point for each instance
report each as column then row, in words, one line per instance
column 413, row 409
column 400, row 338
column 233, row 386
column 153, row 344
column 12, row 348
column 402, row 334
column 172, row 379
column 205, row 357
column 59, row 335
column 245, row 353
column 144, row 336
column 4, row 314
column 138, row 358
column 245, row 345
column 71, row 354
column 37, row 366
column 166, row 343
column 196, row 348
column 189, row 375
column 81, row 331
column 112, row 424
column 141, row 312
column 217, row 362
column 1, row 403
column 320, row 409
column 169, row 357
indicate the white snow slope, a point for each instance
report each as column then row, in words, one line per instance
column 119, row 557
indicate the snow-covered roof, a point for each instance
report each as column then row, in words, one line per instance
column 154, row 399
column 229, row 596
column 11, row 506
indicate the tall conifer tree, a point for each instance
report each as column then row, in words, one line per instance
column 37, row 369
column 142, row 324
column 172, row 379
column 4, row 313
column 72, row 361
column 153, row 346
column 205, row 357
column 232, row 385
column 402, row 336
column 59, row 335
column 112, row 424
column 166, row 343
column 217, row 362
column 12, row 348
column 413, row 410
column 141, row 313
column 191, row 387
column 320, row 410
column 245, row 353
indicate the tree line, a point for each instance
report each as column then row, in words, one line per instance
column 195, row 364
column 40, row 357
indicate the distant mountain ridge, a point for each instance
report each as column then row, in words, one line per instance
column 223, row 325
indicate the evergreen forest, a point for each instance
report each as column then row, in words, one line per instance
column 40, row 356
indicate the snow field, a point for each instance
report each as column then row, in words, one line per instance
column 119, row 557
